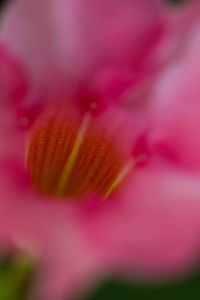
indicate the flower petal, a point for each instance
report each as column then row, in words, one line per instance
column 153, row 231
column 60, row 39
column 13, row 85
column 47, row 231
column 176, row 123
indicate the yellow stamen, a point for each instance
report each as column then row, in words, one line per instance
column 120, row 177
column 65, row 175
column 129, row 166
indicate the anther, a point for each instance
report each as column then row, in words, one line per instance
column 91, row 100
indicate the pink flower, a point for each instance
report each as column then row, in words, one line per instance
column 91, row 185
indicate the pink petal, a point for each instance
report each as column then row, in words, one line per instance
column 45, row 230
column 176, row 123
column 61, row 40
column 153, row 230
column 13, row 84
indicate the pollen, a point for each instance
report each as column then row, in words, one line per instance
column 74, row 158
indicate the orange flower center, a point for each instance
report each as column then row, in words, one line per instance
column 71, row 158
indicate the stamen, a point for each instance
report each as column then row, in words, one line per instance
column 129, row 166
column 65, row 175
column 120, row 177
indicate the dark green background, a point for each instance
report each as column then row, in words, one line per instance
column 115, row 290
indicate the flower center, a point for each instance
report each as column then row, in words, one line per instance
column 68, row 157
